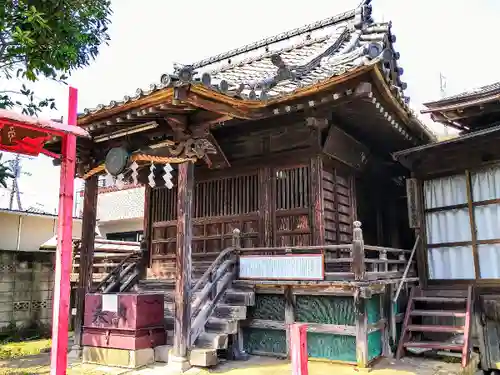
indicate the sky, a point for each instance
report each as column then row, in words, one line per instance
column 450, row 37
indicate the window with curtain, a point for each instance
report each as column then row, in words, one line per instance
column 448, row 230
column 450, row 244
column 486, row 201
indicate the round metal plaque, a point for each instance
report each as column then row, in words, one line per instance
column 116, row 161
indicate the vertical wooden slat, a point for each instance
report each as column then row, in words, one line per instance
column 316, row 201
column 361, row 329
column 86, row 252
column 146, row 261
column 472, row 222
column 265, row 213
column 182, row 330
column 289, row 315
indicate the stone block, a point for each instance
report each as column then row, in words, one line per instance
column 177, row 365
column 161, row 353
column 203, row 357
column 118, row 357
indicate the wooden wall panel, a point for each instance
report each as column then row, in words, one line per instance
column 292, row 221
column 338, row 206
column 220, row 206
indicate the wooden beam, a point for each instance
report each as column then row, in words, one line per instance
column 316, row 201
column 185, row 187
column 146, row 241
column 219, row 159
column 86, row 253
column 289, row 315
column 361, row 329
column 341, row 146
column 266, row 183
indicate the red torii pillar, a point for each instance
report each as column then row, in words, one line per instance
column 62, row 287
column 28, row 135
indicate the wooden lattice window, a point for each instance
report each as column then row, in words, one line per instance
column 293, row 227
column 292, row 188
column 227, row 196
column 222, row 197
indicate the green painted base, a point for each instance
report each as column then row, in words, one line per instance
column 324, row 310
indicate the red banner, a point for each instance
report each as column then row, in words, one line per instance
column 22, row 140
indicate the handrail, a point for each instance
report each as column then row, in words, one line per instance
column 206, row 275
column 405, row 273
column 386, row 249
column 116, row 269
column 346, row 246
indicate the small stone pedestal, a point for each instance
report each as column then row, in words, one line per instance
column 177, row 364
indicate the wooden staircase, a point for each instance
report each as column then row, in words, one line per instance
column 426, row 308
column 222, row 327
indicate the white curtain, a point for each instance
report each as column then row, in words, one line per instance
column 448, row 226
column 486, row 186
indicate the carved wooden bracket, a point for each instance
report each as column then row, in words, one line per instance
column 190, row 148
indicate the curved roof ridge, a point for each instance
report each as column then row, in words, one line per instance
column 344, row 16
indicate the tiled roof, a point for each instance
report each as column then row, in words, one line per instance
column 476, row 92
column 277, row 66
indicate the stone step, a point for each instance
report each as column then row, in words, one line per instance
column 219, row 325
column 201, row 357
column 222, row 310
column 213, row 325
column 210, row 340
column 231, row 297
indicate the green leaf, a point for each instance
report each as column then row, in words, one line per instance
column 49, row 39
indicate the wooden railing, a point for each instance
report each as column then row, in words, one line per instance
column 360, row 262
column 114, row 262
column 212, row 285
column 354, row 261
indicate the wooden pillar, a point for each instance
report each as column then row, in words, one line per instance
column 146, row 239
column 358, row 268
column 86, row 253
column 182, row 330
column 289, row 315
column 358, row 253
column 316, row 201
column 266, row 204
column 361, row 329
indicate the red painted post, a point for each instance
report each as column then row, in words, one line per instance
column 60, row 315
column 298, row 349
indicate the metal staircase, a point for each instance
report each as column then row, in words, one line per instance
column 437, row 320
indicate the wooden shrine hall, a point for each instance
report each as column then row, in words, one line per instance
column 271, row 194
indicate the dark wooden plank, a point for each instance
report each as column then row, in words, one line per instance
column 339, row 145
column 433, row 345
column 358, row 253
column 361, row 330
column 435, row 328
column 440, row 299
column 86, row 252
column 265, row 202
column 289, row 315
column 445, row 313
column 472, row 222
column 316, row 201
column 183, row 259
column 146, row 241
